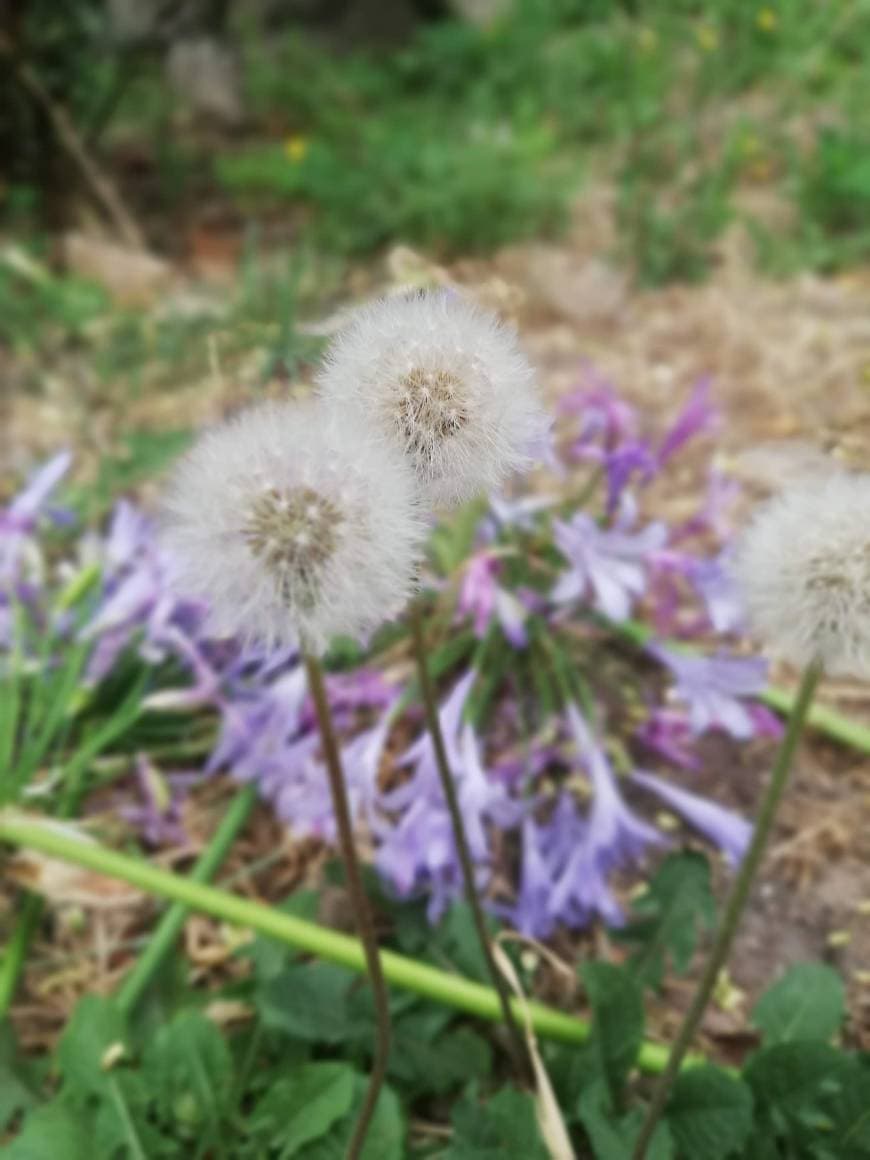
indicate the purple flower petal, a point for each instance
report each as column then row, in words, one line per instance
column 725, row 829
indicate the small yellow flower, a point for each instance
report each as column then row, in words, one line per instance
column 296, row 147
column 766, row 19
column 707, row 37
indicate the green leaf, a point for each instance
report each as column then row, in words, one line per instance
column 188, row 1070
column 452, row 540
column 677, row 905
column 386, row 1135
column 504, row 1128
column 428, row 1060
column 16, row 1093
column 813, row 1098
column 96, row 1025
column 54, row 1130
column 617, row 1021
column 317, row 1002
column 709, row 1113
column 612, row 1138
column 808, row 1002
column 303, row 1106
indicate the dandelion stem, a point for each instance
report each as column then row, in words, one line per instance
column 734, row 907
column 362, row 910
column 518, row 1050
column 168, row 929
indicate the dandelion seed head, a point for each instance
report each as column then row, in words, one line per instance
column 804, row 569
column 293, row 526
column 444, row 379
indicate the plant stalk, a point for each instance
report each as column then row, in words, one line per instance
column 164, row 937
column 16, row 949
column 362, row 910
column 518, row 1050
column 69, row 844
column 734, row 907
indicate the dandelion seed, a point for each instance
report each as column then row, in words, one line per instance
column 444, row 379
column 804, row 567
column 293, row 526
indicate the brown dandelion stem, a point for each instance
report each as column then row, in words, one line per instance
column 518, row 1050
column 362, row 910
column 734, row 907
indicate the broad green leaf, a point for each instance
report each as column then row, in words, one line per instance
column 617, row 1021
column 317, row 1002
column 16, row 1093
column 425, row 1059
column 188, row 1069
column 54, row 1131
column 812, row 1098
column 386, row 1135
column 121, row 1124
column 669, row 916
column 709, row 1113
column 808, row 1002
column 504, row 1128
column 850, row 1111
column 96, row 1027
column 303, row 1106
column 612, row 1138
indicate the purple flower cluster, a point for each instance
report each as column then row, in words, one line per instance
column 556, row 794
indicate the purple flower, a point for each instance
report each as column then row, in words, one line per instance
column 697, row 415
column 424, row 781
column 605, row 417
column 612, row 563
column 621, row 465
column 531, row 914
column 616, row 836
column 713, row 581
column 22, row 513
column 416, row 849
column 711, row 687
column 158, row 816
column 18, row 521
column 669, row 734
column 724, row 828
column 481, row 597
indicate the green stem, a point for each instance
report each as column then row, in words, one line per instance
column 365, row 922
column 16, row 949
column 734, row 907
column 168, row 929
column 519, row 1053
column 57, row 841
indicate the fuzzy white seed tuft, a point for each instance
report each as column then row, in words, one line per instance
column 444, row 379
column 294, row 527
column 804, row 568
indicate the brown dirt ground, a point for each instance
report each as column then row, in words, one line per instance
column 791, row 370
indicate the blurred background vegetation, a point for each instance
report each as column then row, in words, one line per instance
column 275, row 149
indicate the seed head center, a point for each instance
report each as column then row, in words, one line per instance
column 293, row 532
column 430, row 408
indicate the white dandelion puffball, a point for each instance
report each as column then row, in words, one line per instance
column 293, row 527
column 804, row 568
column 445, row 379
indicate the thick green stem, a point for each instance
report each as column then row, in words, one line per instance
column 16, row 949
column 518, row 1048
column 362, row 910
column 168, row 929
column 58, row 841
column 734, row 907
